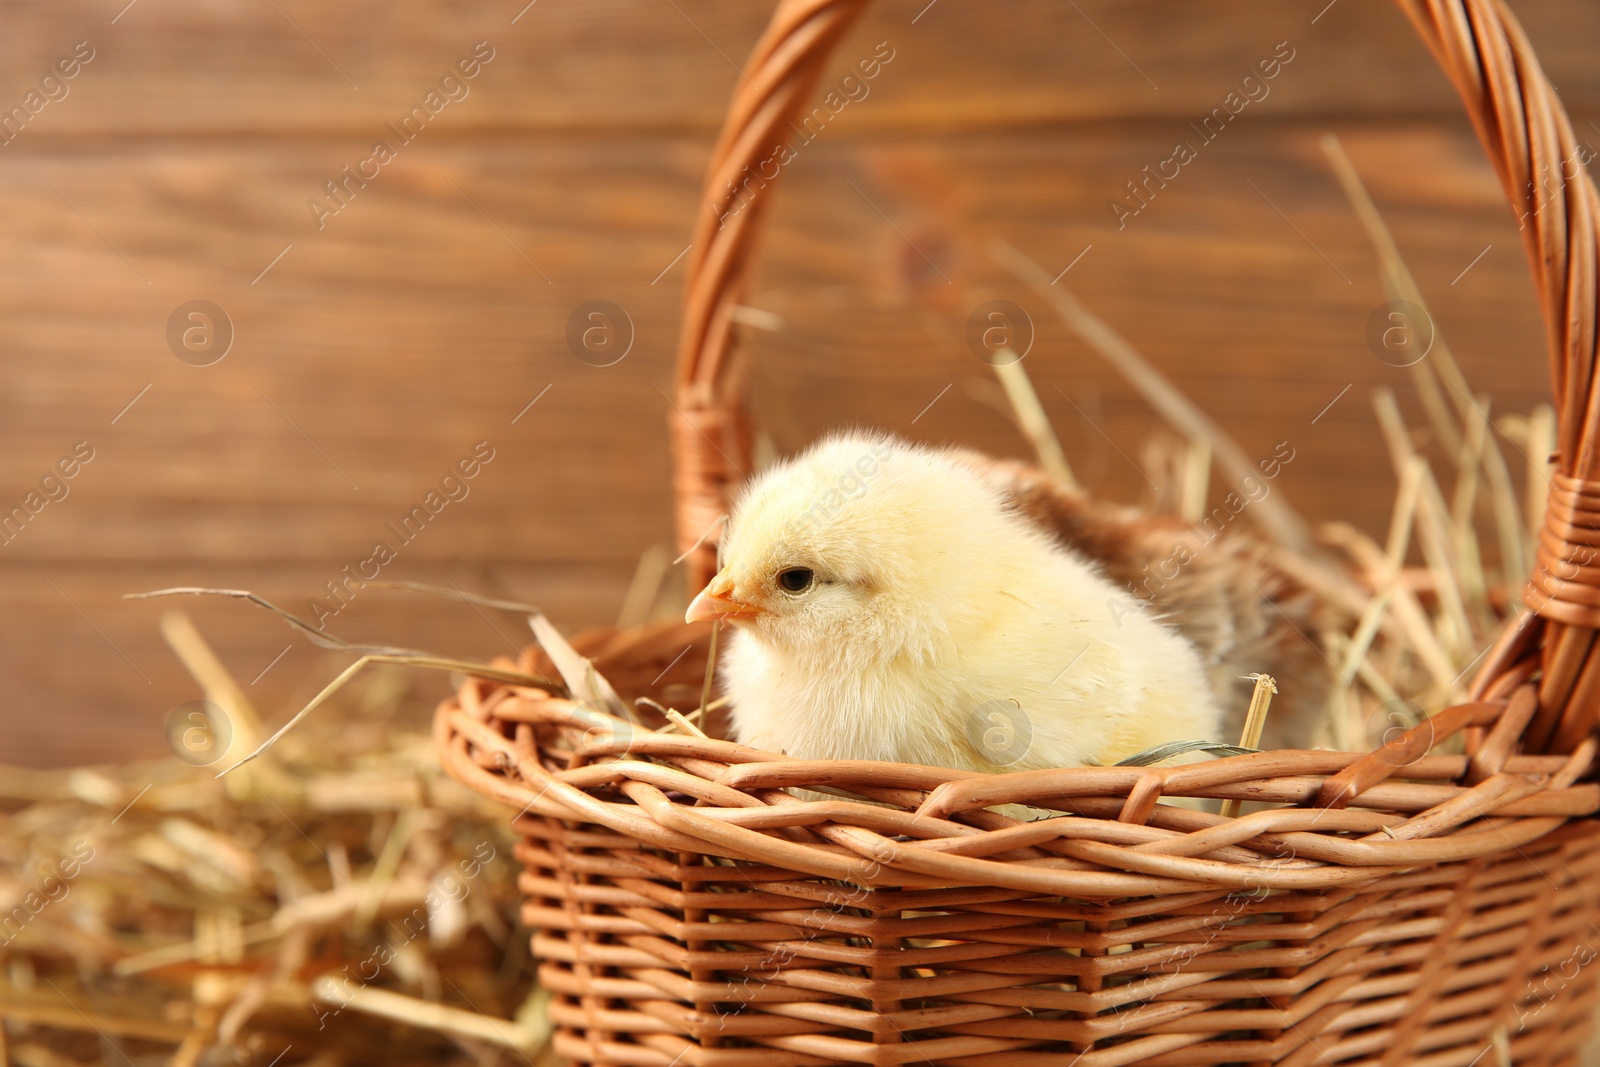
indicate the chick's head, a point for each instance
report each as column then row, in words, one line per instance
column 861, row 544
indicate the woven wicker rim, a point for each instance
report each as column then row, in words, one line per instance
column 1129, row 845
column 1524, row 130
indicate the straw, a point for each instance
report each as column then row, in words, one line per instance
column 1394, row 557
column 1398, row 284
column 1433, row 524
column 1438, row 365
column 415, row 1012
column 214, row 678
column 711, row 669
column 1030, row 416
column 1280, row 521
column 655, row 563
column 1255, row 720
column 1196, row 480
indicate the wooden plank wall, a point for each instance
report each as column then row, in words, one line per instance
column 373, row 348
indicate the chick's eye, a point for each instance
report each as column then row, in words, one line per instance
column 795, row 579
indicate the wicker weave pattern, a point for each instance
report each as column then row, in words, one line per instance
column 986, row 977
column 689, row 909
column 1385, row 908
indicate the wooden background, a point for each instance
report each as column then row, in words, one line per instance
column 373, row 353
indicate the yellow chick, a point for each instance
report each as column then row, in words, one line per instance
column 887, row 604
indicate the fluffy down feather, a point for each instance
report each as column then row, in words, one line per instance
column 889, row 603
column 1239, row 609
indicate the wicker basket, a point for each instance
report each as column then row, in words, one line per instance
column 1395, row 908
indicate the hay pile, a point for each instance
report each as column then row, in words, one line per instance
column 338, row 901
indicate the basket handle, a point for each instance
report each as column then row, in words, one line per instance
column 1529, row 140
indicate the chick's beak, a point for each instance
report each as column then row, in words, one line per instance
column 717, row 601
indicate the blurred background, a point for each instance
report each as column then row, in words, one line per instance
column 259, row 342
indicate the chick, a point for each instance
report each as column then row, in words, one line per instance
column 888, row 604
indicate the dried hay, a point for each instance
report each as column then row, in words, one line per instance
column 339, row 901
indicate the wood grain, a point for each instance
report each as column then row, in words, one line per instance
column 242, row 70
column 375, row 352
